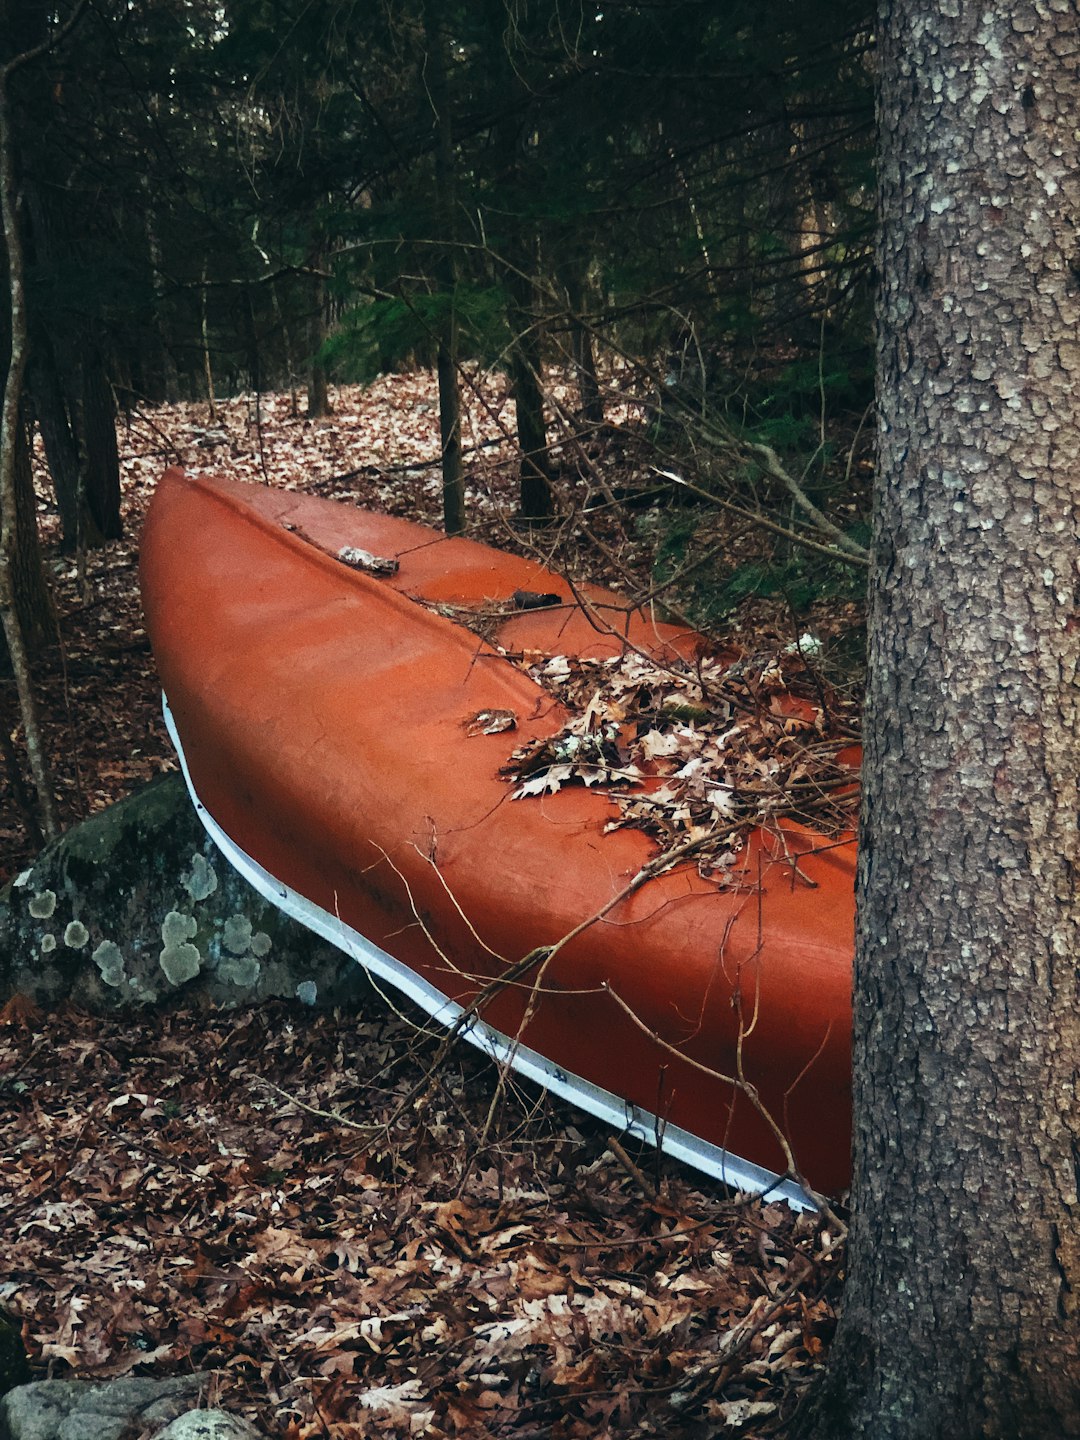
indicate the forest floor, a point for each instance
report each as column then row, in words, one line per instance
column 205, row 1196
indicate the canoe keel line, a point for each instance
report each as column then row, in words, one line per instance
column 328, row 723
column 627, row 1119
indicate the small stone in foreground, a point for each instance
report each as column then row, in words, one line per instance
column 209, row 1425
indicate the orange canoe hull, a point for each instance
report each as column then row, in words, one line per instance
column 322, row 716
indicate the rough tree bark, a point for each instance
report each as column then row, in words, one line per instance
column 961, row 1314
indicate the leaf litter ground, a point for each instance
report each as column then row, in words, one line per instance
column 180, row 1197
column 165, row 1209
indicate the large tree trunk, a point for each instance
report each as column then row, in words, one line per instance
column 962, row 1311
column 71, row 391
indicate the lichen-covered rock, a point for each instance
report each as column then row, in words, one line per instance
column 135, row 907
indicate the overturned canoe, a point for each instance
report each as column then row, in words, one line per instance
column 324, row 721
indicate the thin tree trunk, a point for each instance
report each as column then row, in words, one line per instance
column 519, row 258
column 287, row 346
column 526, row 369
column 23, row 800
column 10, row 424
column 961, row 1314
column 61, row 451
column 447, row 357
column 318, row 405
column 450, row 428
column 32, row 599
column 208, row 369
column 165, row 371
column 592, row 404
column 101, row 456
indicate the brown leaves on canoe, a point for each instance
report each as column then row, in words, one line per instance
column 490, row 722
column 701, row 751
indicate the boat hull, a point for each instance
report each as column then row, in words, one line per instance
column 323, row 718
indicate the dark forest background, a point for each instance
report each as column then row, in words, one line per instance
column 665, row 204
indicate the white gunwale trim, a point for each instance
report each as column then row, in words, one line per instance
column 627, row 1119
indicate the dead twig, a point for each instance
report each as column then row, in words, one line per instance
column 333, row 1115
column 642, row 1181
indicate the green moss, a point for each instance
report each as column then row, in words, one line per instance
column 154, row 809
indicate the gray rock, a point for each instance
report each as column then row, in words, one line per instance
column 209, row 1425
column 141, row 876
column 92, row 1410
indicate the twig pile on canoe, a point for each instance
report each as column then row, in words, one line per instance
column 704, row 751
